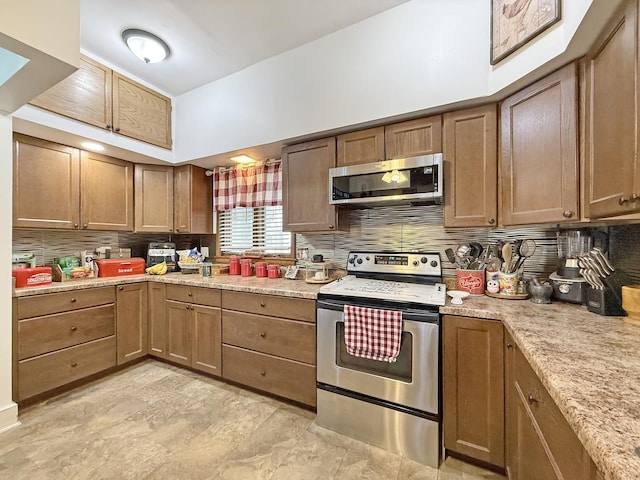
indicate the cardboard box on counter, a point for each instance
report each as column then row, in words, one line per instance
column 75, row 273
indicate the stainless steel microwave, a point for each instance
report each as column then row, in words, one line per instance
column 415, row 180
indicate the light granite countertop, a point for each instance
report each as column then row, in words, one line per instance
column 590, row 364
column 267, row 286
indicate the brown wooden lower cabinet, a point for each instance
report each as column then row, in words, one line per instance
column 193, row 332
column 540, row 443
column 473, row 388
column 131, row 321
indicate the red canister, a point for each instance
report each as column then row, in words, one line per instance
column 273, row 271
column 261, row 269
column 245, row 267
column 234, row 265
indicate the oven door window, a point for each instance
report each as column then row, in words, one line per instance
column 399, row 370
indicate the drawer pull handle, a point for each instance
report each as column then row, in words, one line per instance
column 262, row 304
column 509, row 345
column 263, row 373
column 73, row 300
column 532, row 399
column 190, row 294
column 74, row 364
column 263, row 334
column 74, row 328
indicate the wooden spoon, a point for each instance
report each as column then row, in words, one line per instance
column 507, row 253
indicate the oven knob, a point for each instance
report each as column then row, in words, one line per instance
column 424, row 260
column 359, row 261
column 368, row 259
column 351, row 260
column 434, row 263
column 564, row 288
column 416, row 263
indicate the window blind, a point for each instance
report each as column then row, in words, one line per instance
column 259, row 228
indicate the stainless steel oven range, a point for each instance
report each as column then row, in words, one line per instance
column 395, row 406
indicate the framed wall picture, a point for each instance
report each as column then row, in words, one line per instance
column 516, row 22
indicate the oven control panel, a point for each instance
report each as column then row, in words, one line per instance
column 414, row 263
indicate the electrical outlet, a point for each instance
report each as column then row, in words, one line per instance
column 204, row 251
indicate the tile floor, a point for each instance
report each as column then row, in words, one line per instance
column 156, row 421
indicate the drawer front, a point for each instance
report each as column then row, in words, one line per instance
column 197, row 295
column 569, row 454
column 43, row 373
column 287, row 307
column 286, row 378
column 40, row 305
column 45, row 334
column 284, row 338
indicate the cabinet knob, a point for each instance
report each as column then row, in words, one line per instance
column 263, row 373
column 73, row 300
column 262, row 304
column 623, row 200
column 491, row 221
column 263, row 334
column 74, row 364
column 331, row 227
column 120, row 288
column 532, row 398
column 84, row 225
column 187, row 307
column 509, row 346
column 108, row 127
column 177, row 229
column 567, row 214
column 117, row 129
column 74, row 328
column 190, row 294
column 634, row 198
column 75, row 225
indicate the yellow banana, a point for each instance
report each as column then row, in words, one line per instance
column 159, row 269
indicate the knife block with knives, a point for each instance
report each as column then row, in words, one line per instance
column 604, row 295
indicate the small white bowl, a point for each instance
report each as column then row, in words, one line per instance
column 457, row 296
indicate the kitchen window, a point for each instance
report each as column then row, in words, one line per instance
column 256, row 229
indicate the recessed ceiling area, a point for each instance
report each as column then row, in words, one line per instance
column 210, row 39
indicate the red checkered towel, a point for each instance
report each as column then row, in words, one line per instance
column 372, row 333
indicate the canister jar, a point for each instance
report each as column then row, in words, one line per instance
column 234, row 265
column 245, row 267
column 273, row 271
column 261, row 269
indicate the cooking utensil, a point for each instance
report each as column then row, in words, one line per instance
column 507, row 253
column 603, row 258
column 451, row 256
column 526, row 249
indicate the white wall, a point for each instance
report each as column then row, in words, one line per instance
column 418, row 56
column 8, row 409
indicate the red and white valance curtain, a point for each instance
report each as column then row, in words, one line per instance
column 258, row 185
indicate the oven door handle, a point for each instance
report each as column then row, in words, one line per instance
column 408, row 314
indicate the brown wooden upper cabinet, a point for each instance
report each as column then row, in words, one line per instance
column 55, row 186
column 363, row 146
column 154, row 198
column 192, row 200
column 470, row 153
column 415, row 137
column 538, row 152
column 96, row 95
column 612, row 175
column 305, row 190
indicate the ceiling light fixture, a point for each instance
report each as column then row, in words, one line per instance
column 146, row 46
column 242, row 159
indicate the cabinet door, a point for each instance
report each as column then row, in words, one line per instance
column 473, row 388
column 157, row 320
column 131, row 322
column 141, row 113
column 154, row 198
column 179, row 347
column 538, row 154
column 84, row 96
column 193, row 200
column 106, row 193
column 305, row 186
column 364, row 146
column 207, row 341
column 46, row 181
column 415, row 137
column 470, row 167
column 611, row 143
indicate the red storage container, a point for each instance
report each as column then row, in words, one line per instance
column 30, row 277
column 120, row 267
